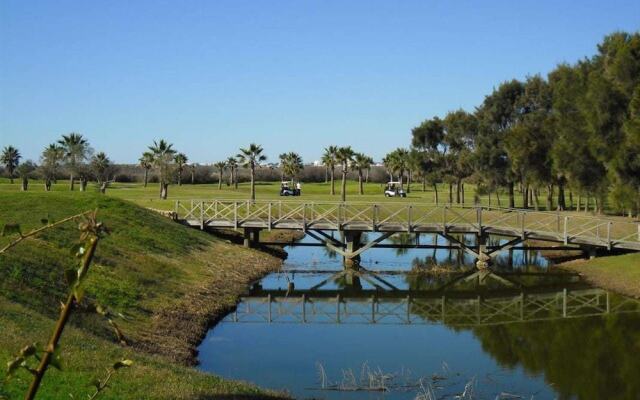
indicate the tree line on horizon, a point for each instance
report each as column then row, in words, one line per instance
column 575, row 133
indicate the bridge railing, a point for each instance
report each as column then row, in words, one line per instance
column 438, row 309
column 567, row 227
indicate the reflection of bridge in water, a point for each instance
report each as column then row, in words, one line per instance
column 445, row 304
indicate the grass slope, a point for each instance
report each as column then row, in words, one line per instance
column 618, row 273
column 149, row 268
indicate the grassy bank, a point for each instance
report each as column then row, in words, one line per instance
column 617, row 273
column 170, row 282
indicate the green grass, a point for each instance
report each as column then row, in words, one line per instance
column 373, row 192
column 619, row 273
column 147, row 264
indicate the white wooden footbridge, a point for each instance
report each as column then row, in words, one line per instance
column 589, row 233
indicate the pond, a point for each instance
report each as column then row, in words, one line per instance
column 423, row 324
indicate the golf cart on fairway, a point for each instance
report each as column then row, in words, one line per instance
column 393, row 189
column 285, row 190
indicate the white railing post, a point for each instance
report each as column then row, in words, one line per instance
column 609, row 235
column 566, row 226
column 235, row 214
column 409, row 211
column 522, row 227
column 202, row 215
column 479, row 218
column 269, row 215
column 444, row 219
column 374, row 217
column 304, row 217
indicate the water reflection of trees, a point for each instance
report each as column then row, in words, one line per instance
column 587, row 358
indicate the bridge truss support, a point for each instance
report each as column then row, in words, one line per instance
column 251, row 237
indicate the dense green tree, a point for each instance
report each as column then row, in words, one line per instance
column 251, row 157
column 461, row 129
column 497, row 115
column 528, row 143
column 10, row 158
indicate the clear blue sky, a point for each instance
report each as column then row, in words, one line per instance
column 295, row 75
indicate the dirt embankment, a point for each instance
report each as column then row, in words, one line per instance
column 177, row 332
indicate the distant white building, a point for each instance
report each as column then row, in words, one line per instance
column 317, row 163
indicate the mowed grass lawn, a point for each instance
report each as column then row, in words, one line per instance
column 373, row 192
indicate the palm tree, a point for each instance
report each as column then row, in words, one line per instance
column 250, row 158
column 10, row 158
column 283, row 160
column 361, row 162
column 329, row 161
column 396, row 161
column 291, row 164
column 344, row 156
column 220, row 166
column 233, row 171
column 76, row 150
column 24, row 171
column 146, row 162
column 49, row 163
column 101, row 167
column 192, row 171
column 163, row 157
column 180, row 160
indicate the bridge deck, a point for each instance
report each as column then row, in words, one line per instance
column 404, row 217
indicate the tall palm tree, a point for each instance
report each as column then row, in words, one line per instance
column 251, row 157
column 291, row 164
column 361, row 163
column 50, row 160
column 163, row 157
column 76, row 150
column 102, row 168
column 396, row 161
column 232, row 163
column 146, row 162
column 180, row 160
column 344, row 156
column 10, row 158
column 220, row 166
column 283, row 161
column 329, row 160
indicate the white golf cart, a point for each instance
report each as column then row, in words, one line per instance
column 393, row 189
column 286, row 190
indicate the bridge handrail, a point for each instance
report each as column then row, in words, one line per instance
column 564, row 225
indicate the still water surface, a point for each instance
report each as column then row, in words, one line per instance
column 528, row 331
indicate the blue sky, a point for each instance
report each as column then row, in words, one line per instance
column 298, row 75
